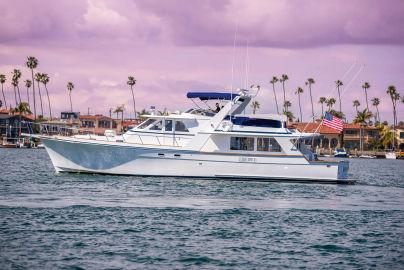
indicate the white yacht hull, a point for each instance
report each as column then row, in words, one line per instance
column 77, row 155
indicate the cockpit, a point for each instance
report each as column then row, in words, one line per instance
column 209, row 103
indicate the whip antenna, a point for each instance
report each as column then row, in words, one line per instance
column 232, row 66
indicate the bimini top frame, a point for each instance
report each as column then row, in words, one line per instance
column 211, row 95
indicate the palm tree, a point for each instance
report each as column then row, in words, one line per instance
column 283, row 79
column 362, row 119
column 330, row 102
column 298, row 92
column 23, row 108
column 14, row 83
column 322, row 101
column 131, row 82
column 365, row 87
column 143, row 112
column 16, row 80
column 273, row 81
column 338, row 83
column 255, row 105
column 395, row 96
column 289, row 115
column 2, row 81
column 309, row 82
column 356, row 104
column 386, row 136
column 117, row 111
column 45, row 80
column 70, row 87
column 163, row 112
column 376, row 103
column 38, row 79
column 28, row 84
column 122, row 111
column 32, row 63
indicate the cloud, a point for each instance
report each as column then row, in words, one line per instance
column 103, row 82
column 293, row 24
column 175, row 46
column 99, row 15
column 280, row 23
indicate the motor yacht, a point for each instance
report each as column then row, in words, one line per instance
column 218, row 143
column 340, row 152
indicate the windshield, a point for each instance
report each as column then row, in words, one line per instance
column 145, row 124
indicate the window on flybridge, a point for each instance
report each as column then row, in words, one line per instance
column 168, row 125
column 157, row 126
column 242, row 143
column 145, row 124
column 268, row 145
column 180, row 126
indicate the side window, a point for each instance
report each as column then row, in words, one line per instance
column 145, row 124
column 179, row 126
column 242, row 143
column 157, row 126
column 262, row 144
column 268, row 145
column 169, row 125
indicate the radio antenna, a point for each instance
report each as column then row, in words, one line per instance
column 232, row 66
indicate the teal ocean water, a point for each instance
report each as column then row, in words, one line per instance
column 76, row 221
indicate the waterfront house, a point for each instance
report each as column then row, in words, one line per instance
column 71, row 123
column 400, row 137
column 11, row 125
column 330, row 138
column 70, row 117
column 354, row 134
column 96, row 124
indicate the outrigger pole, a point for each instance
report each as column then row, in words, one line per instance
column 318, row 111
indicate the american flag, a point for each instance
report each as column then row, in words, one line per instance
column 333, row 122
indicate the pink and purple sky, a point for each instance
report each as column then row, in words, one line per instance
column 174, row 46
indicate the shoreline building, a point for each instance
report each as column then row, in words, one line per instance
column 400, row 137
column 71, row 123
column 329, row 139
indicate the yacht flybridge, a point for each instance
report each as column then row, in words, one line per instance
column 213, row 142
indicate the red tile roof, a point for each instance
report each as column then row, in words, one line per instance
column 127, row 123
column 4, row 111
column 94, row 117
column 312, row 127
column 357, row 126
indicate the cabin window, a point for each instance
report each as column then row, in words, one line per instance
column 169, row 125
column 268, row 145
column 180, row 126
column 242, row 143
column 157, row 126
column 145, row 124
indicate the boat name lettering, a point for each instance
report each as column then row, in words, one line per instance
column 247, row 159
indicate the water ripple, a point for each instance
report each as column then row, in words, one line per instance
column 77, row 221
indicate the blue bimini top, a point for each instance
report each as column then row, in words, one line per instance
column 211, row 95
